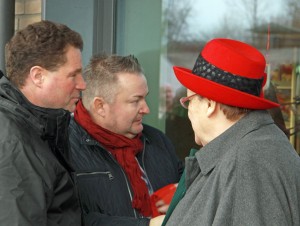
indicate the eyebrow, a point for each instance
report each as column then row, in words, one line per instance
column 141, row 96
column 79, row 70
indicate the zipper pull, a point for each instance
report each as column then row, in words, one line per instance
column 110, row 176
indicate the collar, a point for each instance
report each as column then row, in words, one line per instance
column 45, row 120
column 213, row 152
column 86, row 139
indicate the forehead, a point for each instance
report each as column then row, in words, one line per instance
column 130, row 85
column 189, row 92
column 73, row 55
column 73, row 61
column 127, row 79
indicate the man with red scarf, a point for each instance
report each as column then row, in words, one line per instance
column 119, row 161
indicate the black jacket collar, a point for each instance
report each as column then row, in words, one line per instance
column 51, row 124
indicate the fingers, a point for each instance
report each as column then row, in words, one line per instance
column 157, row 221
column 163, row 209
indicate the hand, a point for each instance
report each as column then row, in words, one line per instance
column 161, row 206
column 157, row 221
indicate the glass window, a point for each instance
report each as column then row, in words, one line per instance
column 273, row 26
column 164, row 33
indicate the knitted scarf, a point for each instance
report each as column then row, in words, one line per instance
column 124, row 150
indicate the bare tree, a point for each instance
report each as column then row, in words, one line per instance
column 251, row 11
column 175, row 21
column 228, row 27
column 293, row 12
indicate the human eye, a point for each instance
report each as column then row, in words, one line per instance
column 134, row 101
column 75, row 73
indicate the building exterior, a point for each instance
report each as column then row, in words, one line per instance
column 163, row 33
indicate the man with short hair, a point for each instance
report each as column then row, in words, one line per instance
column 43, row 83
column 247, row 172
column 119, row 161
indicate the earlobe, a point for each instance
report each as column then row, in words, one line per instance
column 36, row 75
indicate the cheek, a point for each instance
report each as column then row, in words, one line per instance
column 195, row 125
column 194, row 117
column 118, row 118
column 66, row 84
column 192, row 114
column 191, row 118
column 58, row 88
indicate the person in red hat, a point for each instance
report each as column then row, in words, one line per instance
column 247, row 172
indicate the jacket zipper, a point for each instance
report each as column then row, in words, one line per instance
column 127, row 184
column 143, row 162
column 110, row 176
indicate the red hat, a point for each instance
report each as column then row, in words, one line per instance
column 230, row 72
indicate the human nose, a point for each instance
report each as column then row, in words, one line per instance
column 80, row 83
column 144, row 108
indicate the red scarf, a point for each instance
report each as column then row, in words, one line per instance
column 124, row 150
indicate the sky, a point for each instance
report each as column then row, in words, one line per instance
column 208, row 14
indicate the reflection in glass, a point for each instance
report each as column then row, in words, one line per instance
column 273, row 26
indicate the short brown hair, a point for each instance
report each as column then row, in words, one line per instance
column 101, row 75
column 233, row 113
column 44, row 44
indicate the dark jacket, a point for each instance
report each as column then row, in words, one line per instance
column 105, row 192
column 35, row 187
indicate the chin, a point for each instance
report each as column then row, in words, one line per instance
column 198, row 141
column 136, row 131
column 137, row 126
column 70, row 109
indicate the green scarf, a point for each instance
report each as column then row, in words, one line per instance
column 179, row 193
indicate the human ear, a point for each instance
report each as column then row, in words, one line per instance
column 211, row 107
column 98, row 106
column 37, row 75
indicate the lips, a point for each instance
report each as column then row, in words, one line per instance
column 76, row 99
column 139, row 120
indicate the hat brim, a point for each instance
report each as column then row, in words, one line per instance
column 220, row 93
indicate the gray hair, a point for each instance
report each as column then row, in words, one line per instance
column 101, row 76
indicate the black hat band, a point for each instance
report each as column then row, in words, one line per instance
column 208, row 71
